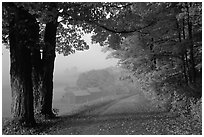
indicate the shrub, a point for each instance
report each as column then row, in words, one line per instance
column 196, row 113
column 180, row 104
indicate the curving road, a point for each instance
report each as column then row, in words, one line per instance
column 122, row 116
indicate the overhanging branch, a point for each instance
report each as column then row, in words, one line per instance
column 106, row 27
column 95, row 23
column 119, row 31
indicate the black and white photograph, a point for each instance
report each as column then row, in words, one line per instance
column 101, row 68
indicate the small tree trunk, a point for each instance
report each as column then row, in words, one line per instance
column 154, row 61
column 186, row 55
column 192, row 62
column 183, row 56
column 48, row 68
column 22, row 36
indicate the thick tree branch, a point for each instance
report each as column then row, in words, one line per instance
column 105, row 27
column 117, row 30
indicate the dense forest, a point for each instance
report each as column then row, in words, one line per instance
column 165, row 54
column 158, row 44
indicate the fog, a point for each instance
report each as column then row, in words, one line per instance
column 67, row 69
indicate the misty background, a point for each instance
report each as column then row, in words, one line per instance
column 66, row 73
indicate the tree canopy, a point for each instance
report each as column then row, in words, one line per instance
column 74, row 19
column 159, row 39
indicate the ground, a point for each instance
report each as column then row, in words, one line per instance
column 122, row 115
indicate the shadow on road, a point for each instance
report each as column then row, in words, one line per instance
column 79, row 122
column 88, row 119
column 91, row 119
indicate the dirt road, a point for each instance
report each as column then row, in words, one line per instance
column 122, row 116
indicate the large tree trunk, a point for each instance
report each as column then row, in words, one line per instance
column 48, row 59
column 22, row 36
column 36, row 78
column 21, row 85
column 43, row 75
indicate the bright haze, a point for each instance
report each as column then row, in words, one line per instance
column 65, row 69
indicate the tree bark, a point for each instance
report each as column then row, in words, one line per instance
column 22, row 36
column 183, row 54
column 36, row 78
column 44, row 68
column 48, row 59
column 153, row 59
column 192, row 62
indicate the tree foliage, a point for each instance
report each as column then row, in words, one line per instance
column 165, row 57
column 169, row 48
column 95, row 78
